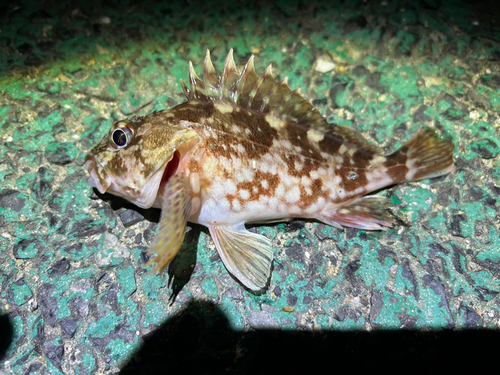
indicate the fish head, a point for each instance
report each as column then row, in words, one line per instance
column 137, row 157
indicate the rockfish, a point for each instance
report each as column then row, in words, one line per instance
column 247, row 149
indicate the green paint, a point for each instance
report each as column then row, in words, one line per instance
column 58, row 148
column 348, row 324
column 155, row 313
column 5, row 170
column 109, row 220
column 126, row 278
column 209, row 287
column 69, row 99
column 492, row 254
column 439, row 220
column 78, row 253
column 25, row 180
column 323, row 322
column 418, row 201
column 89, row 362
column 387, row 316
column 12, row 216
column 490, row 145
column 105, row 325
column 28, row 252
column 19, row 327
column 372, row 272
column 21, row 292
column 431, row 312
column 402, row 83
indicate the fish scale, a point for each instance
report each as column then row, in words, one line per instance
column 248, row 149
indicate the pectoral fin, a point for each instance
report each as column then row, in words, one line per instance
column 246, row 255
column 174, row 214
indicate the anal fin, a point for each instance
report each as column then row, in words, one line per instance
column 246, row 255
column 175, row 210
column 367, row 212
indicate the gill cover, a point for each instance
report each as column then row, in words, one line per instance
column 130, row 160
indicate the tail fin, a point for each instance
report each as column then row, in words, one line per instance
column 425, row 155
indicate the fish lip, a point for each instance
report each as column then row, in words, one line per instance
column 95, row 180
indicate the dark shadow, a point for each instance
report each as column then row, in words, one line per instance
column 117, row 203
column 199, row 340
column 182, row 267
column 6, row 335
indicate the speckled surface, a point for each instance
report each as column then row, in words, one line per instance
column 74, row 294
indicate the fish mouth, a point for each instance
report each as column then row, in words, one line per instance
column 150, row 194
column 101, row 184
column 169, row 170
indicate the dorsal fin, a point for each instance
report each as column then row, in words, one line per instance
column 247, row 89
column 264, row 95
column 355, row 137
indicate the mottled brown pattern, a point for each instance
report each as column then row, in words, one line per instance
column 117, row 165
column 192, row 111
column 253, row 150
column 307, row 165
column 272, row 183
column 353, row 170
column 220, row 146
column 193, row 165
column 330, row 144
column 260, row 131
column 256, row 142
column 101, row 147
column 316, row 192
column 297, row 135
column 396, row 165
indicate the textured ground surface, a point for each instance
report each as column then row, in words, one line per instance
column 73, row 290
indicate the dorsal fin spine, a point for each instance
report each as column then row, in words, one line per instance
column 250, row 91
column 275, row 94
column 197, row 85
column 246, row 83
column 185, row 90
column 211, row 78
column 192, row 75
column 230, row 77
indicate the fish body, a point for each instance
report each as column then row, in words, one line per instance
column 247, row 149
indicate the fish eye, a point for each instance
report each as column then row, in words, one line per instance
column 120, row 135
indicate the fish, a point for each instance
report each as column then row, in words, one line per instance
column 246, row 149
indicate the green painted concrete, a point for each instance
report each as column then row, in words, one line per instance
column 72, row 274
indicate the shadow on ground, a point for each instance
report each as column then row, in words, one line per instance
column 199, row 340
column 6, row 335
